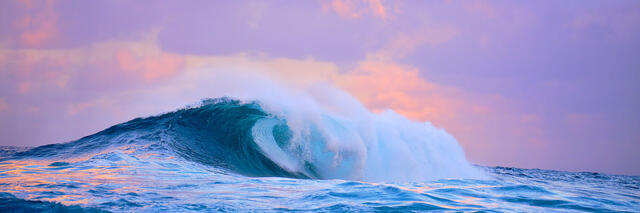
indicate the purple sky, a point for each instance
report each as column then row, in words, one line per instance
column 534, row 84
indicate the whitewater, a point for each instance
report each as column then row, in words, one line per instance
column 317, row 151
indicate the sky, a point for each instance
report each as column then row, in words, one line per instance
column 530, row 84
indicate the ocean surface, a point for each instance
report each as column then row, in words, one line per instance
column 230, row 155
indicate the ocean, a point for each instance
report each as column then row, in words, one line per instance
column 249, row 156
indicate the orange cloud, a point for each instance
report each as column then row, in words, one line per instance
column 382, row 86
column 39, row 26
column 355, row 9
column 481, row 122
column 153, row 67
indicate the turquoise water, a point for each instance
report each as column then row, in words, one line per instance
column 225, row 155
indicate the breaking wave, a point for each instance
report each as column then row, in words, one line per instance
column 259, row 139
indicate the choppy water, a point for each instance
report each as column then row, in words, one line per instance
column 230, row 156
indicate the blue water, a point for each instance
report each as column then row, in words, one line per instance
column 228, row 155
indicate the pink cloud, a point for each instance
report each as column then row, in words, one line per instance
column 381, row 85
column 75, row 108
column 35, row 71
column 404, row 44
column 25, row 87
column 527, row 118
column 26, row 3
column 3, row 105
column 377, row 8
column 152, row 67
column 355, row 9
column 484, row 8
column 39, row 25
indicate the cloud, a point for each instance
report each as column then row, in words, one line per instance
column 75, row 108
column 472, row 117
column 481, row 122
column 25, row 87
column 355, row 9
column 3, row 105
column 404, row 44
column 119, row 80
column 381, row 85
column 145, row 59
column 152, row 67
column 122, row 63
column 481, row 7
column 39, row 25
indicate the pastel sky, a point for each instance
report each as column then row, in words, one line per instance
column 532, row 84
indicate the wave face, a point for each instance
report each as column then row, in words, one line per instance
column 243, row 138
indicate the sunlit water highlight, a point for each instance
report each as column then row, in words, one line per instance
column 123, row 181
